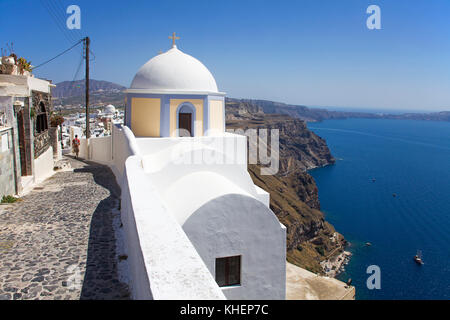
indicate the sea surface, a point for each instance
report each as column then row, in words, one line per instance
column 410, row 159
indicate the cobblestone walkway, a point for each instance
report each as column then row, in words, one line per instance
column 59, row 242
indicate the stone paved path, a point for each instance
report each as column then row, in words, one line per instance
column 59, row 242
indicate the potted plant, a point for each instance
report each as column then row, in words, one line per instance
column 56, row 120
column 24, row 66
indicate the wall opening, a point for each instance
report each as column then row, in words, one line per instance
column 228, row 271
column 41, row 119
column 25, row 170
column 185, row 124
column 185, row 120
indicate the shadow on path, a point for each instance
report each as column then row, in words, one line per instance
column 101, row 279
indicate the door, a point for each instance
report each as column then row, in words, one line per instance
column 185, row 124
column 22, row 152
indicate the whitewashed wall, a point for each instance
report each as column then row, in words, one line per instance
column 124, row 145
column 43, row 166
column 59, row 148
column 238, row 225
column 112, row 150
column 232, row 145
column 84, row 152
column 163, row 262
column 100, row 149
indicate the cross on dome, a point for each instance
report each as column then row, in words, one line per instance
column 174, row 38
column 174, row 71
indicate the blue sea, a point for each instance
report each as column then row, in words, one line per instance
column 410, row 159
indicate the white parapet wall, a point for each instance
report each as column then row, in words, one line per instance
column 112, row 150
column 43, row 166
column 163, row 262
column 84, row 152
column 233, row 147
column 124, row 145
column 100, row 149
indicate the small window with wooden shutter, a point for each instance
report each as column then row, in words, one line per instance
column 228, row 271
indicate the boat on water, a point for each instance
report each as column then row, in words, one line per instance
column 418, row 258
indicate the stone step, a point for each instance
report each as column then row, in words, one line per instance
column 26, row 181
column 62, row 164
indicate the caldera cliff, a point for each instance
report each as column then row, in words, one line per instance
column 293, row 192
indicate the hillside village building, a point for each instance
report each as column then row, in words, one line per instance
column 196, row 225
column 29, row 146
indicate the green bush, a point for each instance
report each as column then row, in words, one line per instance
column 9, row 199
column 320, row 251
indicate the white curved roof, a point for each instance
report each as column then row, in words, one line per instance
column 184, row 184
column 208, row 186
column 174, row 71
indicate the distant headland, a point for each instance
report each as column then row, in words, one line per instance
column 70, row 95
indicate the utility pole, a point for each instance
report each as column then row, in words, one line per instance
column 87, row 43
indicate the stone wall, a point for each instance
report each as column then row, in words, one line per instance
column 7, row 181
column 42, row 140
column 41, row 143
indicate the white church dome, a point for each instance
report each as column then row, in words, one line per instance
column 174, row 71
column 110, row 109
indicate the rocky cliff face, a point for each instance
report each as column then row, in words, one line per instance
column 101, row 92
column 67, row 89
column 294, row 194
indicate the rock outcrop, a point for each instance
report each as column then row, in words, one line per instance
column 294, row 194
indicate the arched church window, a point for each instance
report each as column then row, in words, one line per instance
column 41, row 119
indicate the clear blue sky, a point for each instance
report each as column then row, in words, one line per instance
column 315, row 52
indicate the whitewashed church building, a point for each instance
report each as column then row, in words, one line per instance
column 196, row 225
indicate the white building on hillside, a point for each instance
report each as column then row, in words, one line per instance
column 182, row 175
column 29, row 146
